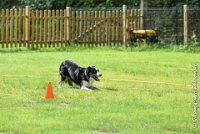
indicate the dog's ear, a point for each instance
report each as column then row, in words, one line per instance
column 90, row 67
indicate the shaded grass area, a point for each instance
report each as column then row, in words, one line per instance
column 136, row 97
column 191, row 48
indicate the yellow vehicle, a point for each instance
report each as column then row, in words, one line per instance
column 145, row 36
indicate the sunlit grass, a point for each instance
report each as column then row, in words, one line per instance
column 144, row 92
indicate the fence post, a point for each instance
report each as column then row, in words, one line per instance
column 68, row 9
column 141, row 14
column 27, row 23
column 124, row 25
column 185, row 24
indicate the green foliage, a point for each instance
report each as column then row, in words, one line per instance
column 61, row 4
column 194, row 40
column 8, row 3
column 173, row 3
column 40, row 4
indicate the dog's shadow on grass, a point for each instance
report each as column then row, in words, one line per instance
column 107, row 88
column 111, row 89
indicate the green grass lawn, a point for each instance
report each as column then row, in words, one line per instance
column 146, row 92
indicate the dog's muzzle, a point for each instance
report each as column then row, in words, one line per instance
column 96, row 77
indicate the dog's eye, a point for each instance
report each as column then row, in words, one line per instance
column 95, row 71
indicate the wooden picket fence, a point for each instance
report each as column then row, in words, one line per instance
column 25, row 27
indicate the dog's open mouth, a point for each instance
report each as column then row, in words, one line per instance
column 95, row 77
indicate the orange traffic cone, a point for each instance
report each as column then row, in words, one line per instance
column 49, row 92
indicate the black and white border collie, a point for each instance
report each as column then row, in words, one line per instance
column 77, row 76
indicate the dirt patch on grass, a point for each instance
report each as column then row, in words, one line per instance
column 64, row 103
column 30, row 103
column 7, row 133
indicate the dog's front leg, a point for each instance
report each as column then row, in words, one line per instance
column 60, row 84
column 75, row 85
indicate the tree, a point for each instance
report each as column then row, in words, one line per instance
column 61, row 4
column 8, row 3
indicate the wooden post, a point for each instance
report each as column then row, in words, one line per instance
column 76, row 25
column 49, row 19
column 84, row 26
column 57, row 27
column 95, row 26
column 11, row 28
column 20, row 27
column 124, row 25
column 108, row 32
column 91, row 27
column 117, row 26
column 2, row 27
column 7, row 27
column 61, row 27
column 53, row 28
column 27, row 22
column 41, row 27
column 185, row 24
column 36, row 26
column 32, row 36
column 15, row 26
column 67, row 35
column 45, row 28
column 141, row 14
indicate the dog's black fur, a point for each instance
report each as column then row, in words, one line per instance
column 77, row 76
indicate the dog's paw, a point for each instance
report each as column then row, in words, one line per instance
column 85, row 88
column 59, row 86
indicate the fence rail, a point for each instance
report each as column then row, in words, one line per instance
column 25, row 27
column 46, row 28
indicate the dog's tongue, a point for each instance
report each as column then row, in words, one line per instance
column 96, row 78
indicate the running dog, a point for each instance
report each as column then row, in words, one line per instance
column 78, row 77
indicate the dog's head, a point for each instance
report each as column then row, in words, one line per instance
column 94, row 73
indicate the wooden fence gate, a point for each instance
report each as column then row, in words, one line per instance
column 49, row 28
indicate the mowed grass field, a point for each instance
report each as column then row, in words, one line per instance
column 146, row 92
